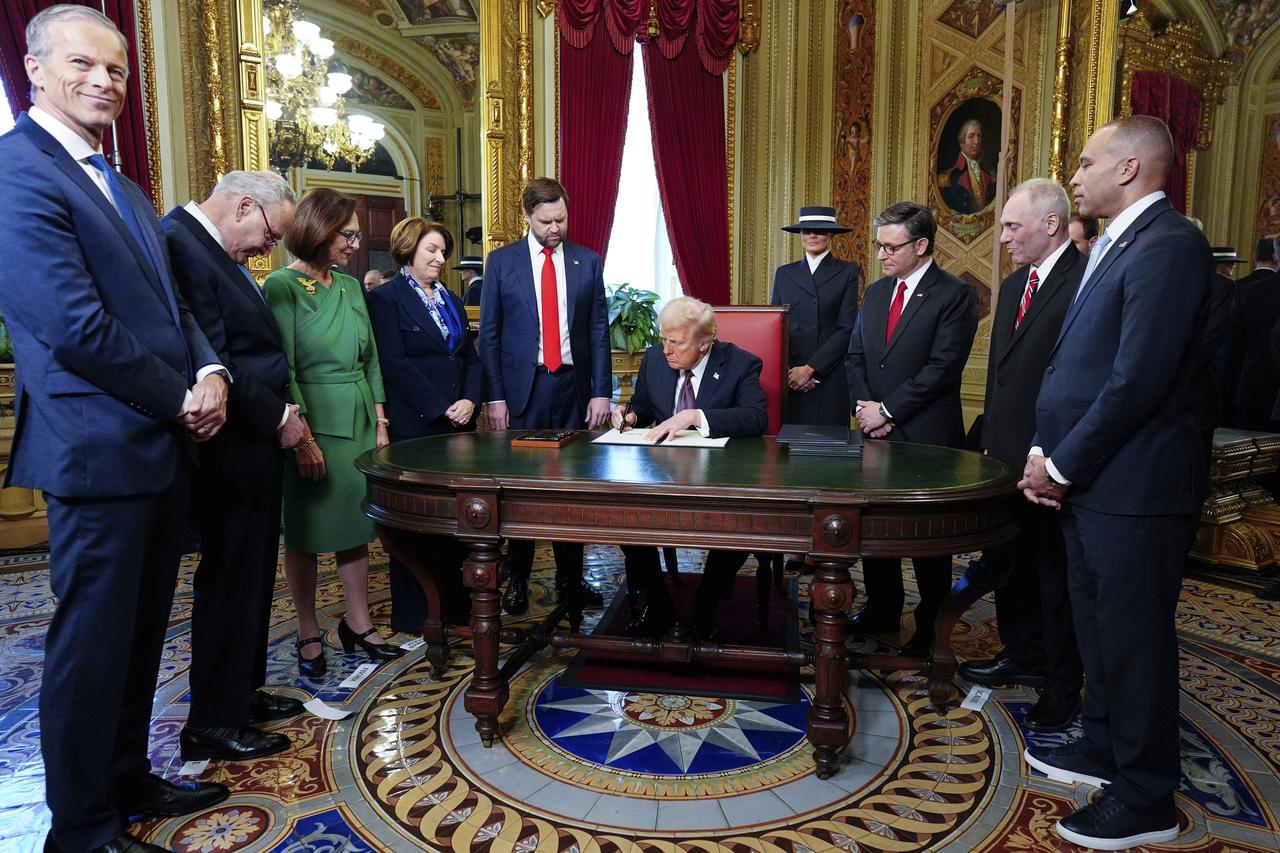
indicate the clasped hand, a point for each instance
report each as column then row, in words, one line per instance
column 1038, row 487
column 874, row 424
column 207, row 411
column 459, row 414
column 801, row 378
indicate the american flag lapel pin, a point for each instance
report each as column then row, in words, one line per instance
column 1122, row 245
column 575, row 262
column 715, row 376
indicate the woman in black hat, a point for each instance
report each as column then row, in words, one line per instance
column 822, row 292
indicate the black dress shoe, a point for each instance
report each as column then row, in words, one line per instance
column 1054, row 710
column 587, row 596
column 152, row 796
column 267, row 707
column 314, row 667
column 653, row 621
column 515, row 601
column 1000, row 671
column 1069, row 765
column 232, row 743
column 122, row 843
column 864, row 622
column 705, row 627
column 376, row 651
column 919, row 646
column 1108, row 824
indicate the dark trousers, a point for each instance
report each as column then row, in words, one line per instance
column 443, row 557
column 113, row 563
column 1033, row 609
column 1124, row 575
column 238, row 517
column 644, row 573
column 553, row 404
column 882, row 577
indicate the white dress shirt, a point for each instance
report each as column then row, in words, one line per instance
column 1044, row 269
column 81, row 151
column 695, row 377
column 912, row 281
column 537, row 259
column 814, row 261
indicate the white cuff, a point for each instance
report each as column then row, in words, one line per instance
column 705, row 429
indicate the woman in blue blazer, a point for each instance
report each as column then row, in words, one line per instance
column 431, row 376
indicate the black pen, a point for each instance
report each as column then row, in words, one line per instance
column 625, row 411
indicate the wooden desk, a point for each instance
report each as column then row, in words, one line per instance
column 899, row 499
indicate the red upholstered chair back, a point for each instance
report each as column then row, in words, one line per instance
column 761, row 330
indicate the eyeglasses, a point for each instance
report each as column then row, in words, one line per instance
column 890, row 248
column 272, row 237
column 352, row 236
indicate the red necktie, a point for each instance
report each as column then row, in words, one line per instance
column 895, row 311
column 550, row 314
column 1032, row 283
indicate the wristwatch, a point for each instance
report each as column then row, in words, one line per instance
column 884, row 413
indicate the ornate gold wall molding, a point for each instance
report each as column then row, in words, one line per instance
column 151, row 119
column 251, row 68
column 394, row 69
column 1175, row 50
column 748, row 25
column 1061, row 94
column 506, row 128
column 853, row 100
column 213, row 129
column 1100, row 74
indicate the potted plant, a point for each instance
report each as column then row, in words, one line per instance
column 633, row 326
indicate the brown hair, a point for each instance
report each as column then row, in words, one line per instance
column 1088, row 225
column 918, row 220
column 408, row 233
column 543, row 191
column 322, row 212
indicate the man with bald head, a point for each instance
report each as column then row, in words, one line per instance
column 1032, row 608
column 1117, row 450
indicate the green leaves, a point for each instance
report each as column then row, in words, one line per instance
column 633, row 319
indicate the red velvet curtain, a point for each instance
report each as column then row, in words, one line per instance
column 595, row 91
column 1178, row 104
column 686, row 113
column 130, row 128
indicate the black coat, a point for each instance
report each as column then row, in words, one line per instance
column 823, row 309
column 917, row 375
column 1019, row 357
column 1258, row 310
column 474, row 289
column 729, row 395
column 421, row 375
column 243, row 331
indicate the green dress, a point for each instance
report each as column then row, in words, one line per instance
column 335, row 380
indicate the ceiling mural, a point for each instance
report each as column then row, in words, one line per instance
column 369, row 89
column 971, row 17
column 460, row 55
column 1245, row 22
column 419, row 12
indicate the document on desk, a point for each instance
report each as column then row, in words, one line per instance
column 684, row 438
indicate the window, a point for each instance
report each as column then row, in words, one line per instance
column 6, row 114
column 639, row 251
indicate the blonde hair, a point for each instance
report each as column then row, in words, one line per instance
column 687, row 311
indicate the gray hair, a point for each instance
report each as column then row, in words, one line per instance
column 39, row 40
column 964, row 128
column 687, row 311
column 1046, row 197
column 266, row 188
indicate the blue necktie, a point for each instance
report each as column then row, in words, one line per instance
column 121, row 203
column 1094, row 257
column 253, row 281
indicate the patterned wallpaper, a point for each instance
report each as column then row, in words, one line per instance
column 852, row 92
column 1268, row 221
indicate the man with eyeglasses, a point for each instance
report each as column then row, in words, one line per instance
column 906, row 358
column 237, row 488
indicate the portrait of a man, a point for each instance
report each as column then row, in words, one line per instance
column 966, row 156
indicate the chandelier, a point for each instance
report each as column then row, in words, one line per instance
column 306, row 117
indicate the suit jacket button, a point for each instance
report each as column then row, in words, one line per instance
column 882, row 365
column 1049, row 369
column 416, row 329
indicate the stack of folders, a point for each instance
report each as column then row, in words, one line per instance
column 820, row 440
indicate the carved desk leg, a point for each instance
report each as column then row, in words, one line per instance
column 488, row 691
column 942, row 664
column 406, row 548
column 832, row 595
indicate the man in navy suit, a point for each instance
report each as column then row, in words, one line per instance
column 1033, row 611
column 114, row 378
column 544, row 343
column 237, row 493
column 1118, row 450
column 905, row 362
column 692, row 381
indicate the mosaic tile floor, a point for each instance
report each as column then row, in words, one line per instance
column 595, row 770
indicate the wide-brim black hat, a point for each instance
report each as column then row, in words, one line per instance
column 817, row 219
column 470, row 262
column 1226, row 255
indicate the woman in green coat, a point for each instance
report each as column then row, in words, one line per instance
column 336, row 383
